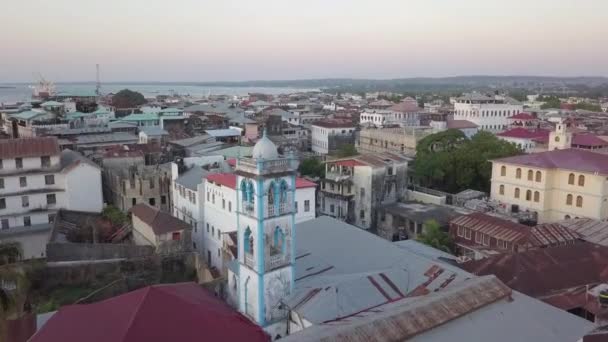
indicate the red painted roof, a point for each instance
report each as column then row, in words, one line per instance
column 522, row 116
column 229, row 180
column 182, row 312
column 349, row 163
column 580, row 139
column 523, row 133
column 569, row 159
column 304, row 183
column 223, row 179
column 28, row 147
column 588, row 139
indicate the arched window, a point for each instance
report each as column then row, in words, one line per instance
column 278, row 241
column 569, row 199
column 539, row 176
column 579, row 201
column 530, row 175
column 501, row 189
column 516, row 192
column 536, row 196
column 250, row 196
column 503, row 171
column 581, row 180
column 244, row 190
column 248, row 241
column 567, row 217
column 283, row 191
column 271, row 193
column 571, row 179
column 518, row 173
column 529, row 195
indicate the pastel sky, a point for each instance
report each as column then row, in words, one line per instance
column 202, row 40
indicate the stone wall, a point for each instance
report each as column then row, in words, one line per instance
column 99, row 251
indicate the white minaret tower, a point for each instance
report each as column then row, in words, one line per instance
column 560, row 139
column 266, row 231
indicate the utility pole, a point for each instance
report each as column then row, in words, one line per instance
column 98, row 82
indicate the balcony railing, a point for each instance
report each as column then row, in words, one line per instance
column 284, row 208
column 267, row 166
column 247, row 207
column 276, row 261
column 249, row 260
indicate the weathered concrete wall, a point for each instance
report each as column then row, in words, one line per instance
column 425, row 198
column 100, row 251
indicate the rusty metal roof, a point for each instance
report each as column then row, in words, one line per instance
column 590, row 230
column 540, row 272
column 404, row 320
column 28, row 147
column 481, row 309
column 539, row 236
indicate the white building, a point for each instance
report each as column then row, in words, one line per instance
column 328, row 135
column 36, row 180
column 490, row 113
column 383, row 117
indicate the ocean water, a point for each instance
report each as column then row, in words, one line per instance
column 11, row 93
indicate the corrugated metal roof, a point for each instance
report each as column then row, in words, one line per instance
column 591, row 230
column 28, row 147
column 539, row 236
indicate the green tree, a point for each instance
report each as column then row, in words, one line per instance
column 347, row 150
column 550, row 102
column 312, row 167
column 589, row 106
column 13, row 296
column 433, row 236
column 128, row 99
column 451, row 162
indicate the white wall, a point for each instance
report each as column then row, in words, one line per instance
column 83, row 188
column 302, row 195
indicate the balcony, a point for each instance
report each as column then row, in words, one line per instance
column 247, row 208
column 261, row 167
column 276, row 261
column 338, row 176
column 249, row 260
column 284, row 208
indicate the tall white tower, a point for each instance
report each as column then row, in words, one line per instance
column 561, row 138
column 266, row 231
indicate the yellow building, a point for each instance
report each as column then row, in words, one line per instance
column 558, row 184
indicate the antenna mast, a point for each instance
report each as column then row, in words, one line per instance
column 98, row 82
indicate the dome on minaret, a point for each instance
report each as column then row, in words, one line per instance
column 265, row 149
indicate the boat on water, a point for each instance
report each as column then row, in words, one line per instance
column 43, row 89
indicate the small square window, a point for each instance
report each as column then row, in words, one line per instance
column 1, row 183
column 45, row 161
column 152, row 201
column 5, row 224
column 51, row 199
column 25, row 201
column 51, row 218
column 49, row 179
column 2, row 203
column 23, row 181
column 134, row 201
column 163, row 199
column 19, row 163
column 27, row 221
column 307, row 205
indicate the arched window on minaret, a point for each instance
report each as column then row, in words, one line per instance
column 271, row 191
column 250, row 197
column 248, row 241
column 283, row 191
column 244, row 190
column 278, row 241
